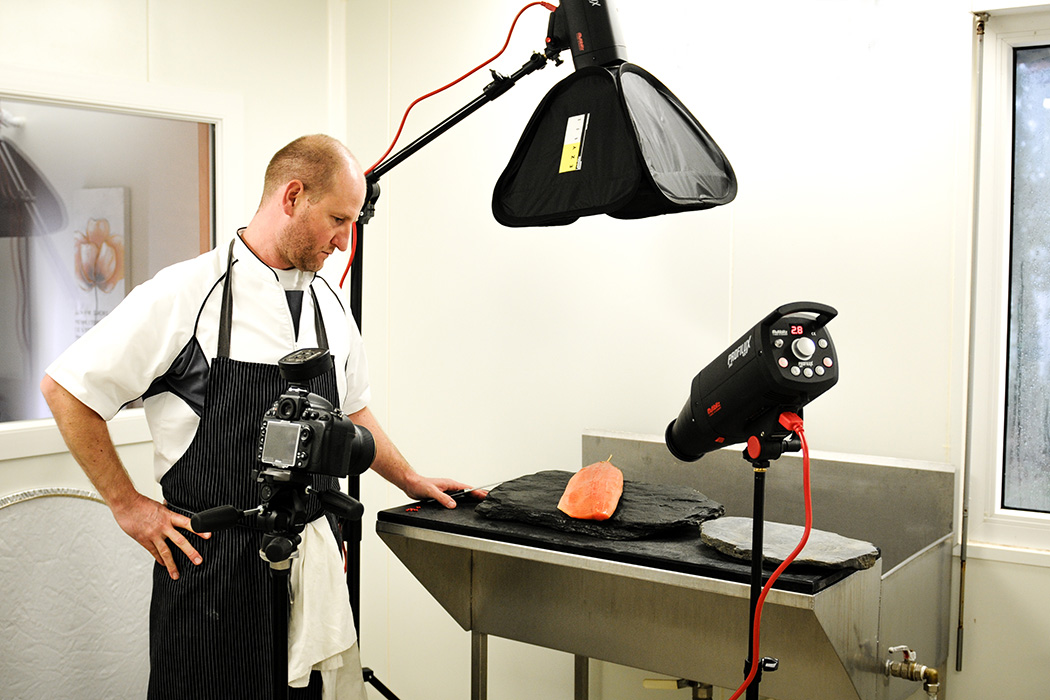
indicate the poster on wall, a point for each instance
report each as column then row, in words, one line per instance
column 99, row 220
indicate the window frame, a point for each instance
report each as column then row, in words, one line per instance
column 989, row 523
column 223, row 111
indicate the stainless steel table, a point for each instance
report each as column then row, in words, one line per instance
column 636, row 603
column 674, row 607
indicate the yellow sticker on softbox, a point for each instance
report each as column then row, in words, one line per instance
column 572, row 149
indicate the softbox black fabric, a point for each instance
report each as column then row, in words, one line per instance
column 611, row 141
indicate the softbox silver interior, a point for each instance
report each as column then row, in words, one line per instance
column 611, row 141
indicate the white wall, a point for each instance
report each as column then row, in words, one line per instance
column 492, row 349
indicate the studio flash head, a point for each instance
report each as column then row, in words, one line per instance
column 785, row 361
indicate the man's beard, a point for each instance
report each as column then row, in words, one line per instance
column 299, row 248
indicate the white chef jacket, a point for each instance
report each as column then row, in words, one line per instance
column 117, row 360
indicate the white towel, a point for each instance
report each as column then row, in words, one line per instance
column 321, row 633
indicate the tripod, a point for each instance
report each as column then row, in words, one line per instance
column 282, row 516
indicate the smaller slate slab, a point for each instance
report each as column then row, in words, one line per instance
column 644, row 510
column 732, row 537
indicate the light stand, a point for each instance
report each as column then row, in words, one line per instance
column 589, row 31
column 754, row 392
column 761, row 449
column 499, row 85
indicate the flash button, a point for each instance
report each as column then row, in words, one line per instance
column 803, row 348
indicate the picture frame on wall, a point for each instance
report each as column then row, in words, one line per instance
column 99, row 220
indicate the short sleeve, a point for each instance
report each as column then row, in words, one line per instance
column 117, row 359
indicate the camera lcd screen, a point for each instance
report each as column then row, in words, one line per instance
column 281, row 443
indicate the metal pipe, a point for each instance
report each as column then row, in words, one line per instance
column 979, row 26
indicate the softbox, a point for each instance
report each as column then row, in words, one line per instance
column 611, row 141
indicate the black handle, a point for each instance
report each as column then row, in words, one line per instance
column 213, row 519
column 823, row 312
column 341, row 505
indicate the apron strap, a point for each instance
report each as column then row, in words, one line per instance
column 226, row 313
column 322, row 337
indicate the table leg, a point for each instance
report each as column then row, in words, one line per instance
column 479, row 666
column 582, row 681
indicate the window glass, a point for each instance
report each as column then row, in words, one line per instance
column 1026, row 470
column 92, row 202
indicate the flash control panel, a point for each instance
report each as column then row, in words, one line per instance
column 802, row 348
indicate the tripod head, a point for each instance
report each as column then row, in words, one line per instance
column 282, row 512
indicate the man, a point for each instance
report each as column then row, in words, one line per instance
column 199, row 342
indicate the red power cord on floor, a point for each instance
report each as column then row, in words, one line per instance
column 404, row 118
column 792, row 422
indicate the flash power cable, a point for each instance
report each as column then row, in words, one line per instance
column 792, row 422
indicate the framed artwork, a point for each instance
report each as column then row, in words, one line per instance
column 99, row 218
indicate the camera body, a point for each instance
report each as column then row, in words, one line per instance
column 303, row 431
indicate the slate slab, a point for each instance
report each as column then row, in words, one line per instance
column 645, row 509
column 732, row 537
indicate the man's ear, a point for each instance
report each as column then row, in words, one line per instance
column 292, row 193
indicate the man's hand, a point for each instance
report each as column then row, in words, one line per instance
column 148, row 522
column 422, row 488
column 153, row 526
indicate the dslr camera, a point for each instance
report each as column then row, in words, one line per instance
column 303, row 431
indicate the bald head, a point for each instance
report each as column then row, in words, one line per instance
column 314, row 160
column 312, row 195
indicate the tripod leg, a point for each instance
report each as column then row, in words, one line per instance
column 279, row 576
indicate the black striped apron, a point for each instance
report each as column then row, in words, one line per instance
column 211, row 629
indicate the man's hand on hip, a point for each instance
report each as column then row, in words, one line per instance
column 153, row 526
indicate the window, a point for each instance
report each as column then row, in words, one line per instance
column 92, row 202
column 1010, row 364
column 1026, row 457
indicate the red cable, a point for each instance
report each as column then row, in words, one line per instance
column 353, row 252
column 793, row 423
column 550, row 7
column 400, row 128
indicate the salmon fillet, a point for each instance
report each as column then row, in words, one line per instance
column 593, row 492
